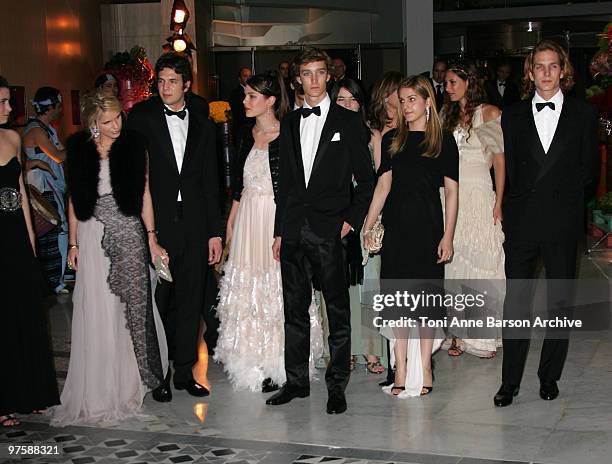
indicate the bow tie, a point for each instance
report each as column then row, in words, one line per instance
column 308, row 111
column 179, row 114
column 541, row 106
column 501, row 84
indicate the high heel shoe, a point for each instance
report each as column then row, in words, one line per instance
column 401, row 389
column 426, row 390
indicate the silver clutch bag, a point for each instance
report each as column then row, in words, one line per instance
column 162, row 270
column 376, row 233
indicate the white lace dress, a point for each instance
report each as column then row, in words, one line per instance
column 251, row 341
column 478, row 251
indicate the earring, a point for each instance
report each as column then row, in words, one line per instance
column 427, row 113
column 95, row 132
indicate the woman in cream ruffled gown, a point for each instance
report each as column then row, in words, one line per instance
column 479, row 256
column 251, row 333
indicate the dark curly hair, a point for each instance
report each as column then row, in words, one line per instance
column 178, row 62
column 3, row 83
column 475, row 95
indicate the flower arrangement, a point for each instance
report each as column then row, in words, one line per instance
column 220, row 111
column 135, row 74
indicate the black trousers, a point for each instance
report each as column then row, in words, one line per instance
column 560, row 266
column 322, row 258
column 180, row 302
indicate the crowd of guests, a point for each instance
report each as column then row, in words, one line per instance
column 458, row 185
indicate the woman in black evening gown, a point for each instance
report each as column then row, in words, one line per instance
column 417, row 160
column 29, row 382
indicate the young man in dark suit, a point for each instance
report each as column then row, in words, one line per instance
column 438, row 81
column 323, row 148
column 550, row 144
column 183, row 179
column 502, row 92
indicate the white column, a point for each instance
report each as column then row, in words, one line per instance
column 418, row 35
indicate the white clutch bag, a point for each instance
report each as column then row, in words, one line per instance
column 162, row 270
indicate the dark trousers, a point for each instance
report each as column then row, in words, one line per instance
column 560, row 266
column 180, row 302
column 322, row 258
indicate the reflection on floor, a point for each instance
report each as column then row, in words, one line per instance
column 457, row 423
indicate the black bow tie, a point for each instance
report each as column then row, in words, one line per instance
column 501, row 84
column 541, row 106
column 308, row 111
column 179, row 114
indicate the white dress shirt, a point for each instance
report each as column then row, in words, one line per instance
column 310, row 135
column 178, row 129
column 501, row 87
column 547, row 119
column 438, row 87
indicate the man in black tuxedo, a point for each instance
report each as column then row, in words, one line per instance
column 323, row 147
column 438, row 81
column 183, row 179
column 502, row 92
column 235, row 100
column 550, row 145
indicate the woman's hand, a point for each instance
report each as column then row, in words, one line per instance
column 156, row 250
column 497, row 213
column 445, row 250
column 367, row 240
column 40, row 164
column 73, row 258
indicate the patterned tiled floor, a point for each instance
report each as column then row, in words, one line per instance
column 84, row 445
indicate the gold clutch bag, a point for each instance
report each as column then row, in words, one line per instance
column 376, row 233
column 162, row 270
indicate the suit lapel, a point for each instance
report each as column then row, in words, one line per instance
column 191, row 144
column 164, row 134
column 297, row 148
column 326, row 135
column 536, row 149
column 556, row 146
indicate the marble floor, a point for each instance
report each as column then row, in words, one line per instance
column 456, row 424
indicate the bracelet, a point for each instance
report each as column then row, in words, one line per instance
column 72, row 247
column 152, row 231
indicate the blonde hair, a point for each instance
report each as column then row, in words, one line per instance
column 94, row 104
column 433, row 130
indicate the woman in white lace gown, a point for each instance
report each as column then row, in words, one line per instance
column 479, row 254
column 118, row 345
column 251, row 332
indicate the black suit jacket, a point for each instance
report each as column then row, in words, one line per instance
column 329, row 200
column 511, row 94
column 544, row 197
column 198, row 179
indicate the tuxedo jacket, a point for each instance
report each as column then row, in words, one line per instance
column 544, row 196
column 511, row 94
column 330, row 199
column 197, row 181
column 439, row 97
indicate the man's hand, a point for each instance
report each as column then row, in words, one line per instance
column 346, row 228
column 214, row 250
column 276, row 246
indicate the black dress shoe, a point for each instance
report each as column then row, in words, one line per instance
column 386, row 383
column 162, row 394
column 193, row 388
column 549, row 390
column 336, row 404
column 267, row 386
column 286, row 394
column 505, row 395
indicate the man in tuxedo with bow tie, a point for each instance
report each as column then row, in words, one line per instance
column 183, row 180
column 323, row 148
column 438, row 81
column 502, row 92
column 550, row 147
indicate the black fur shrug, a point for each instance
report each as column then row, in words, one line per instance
column 127, row 163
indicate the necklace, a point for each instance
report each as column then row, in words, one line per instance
column 267, row 130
